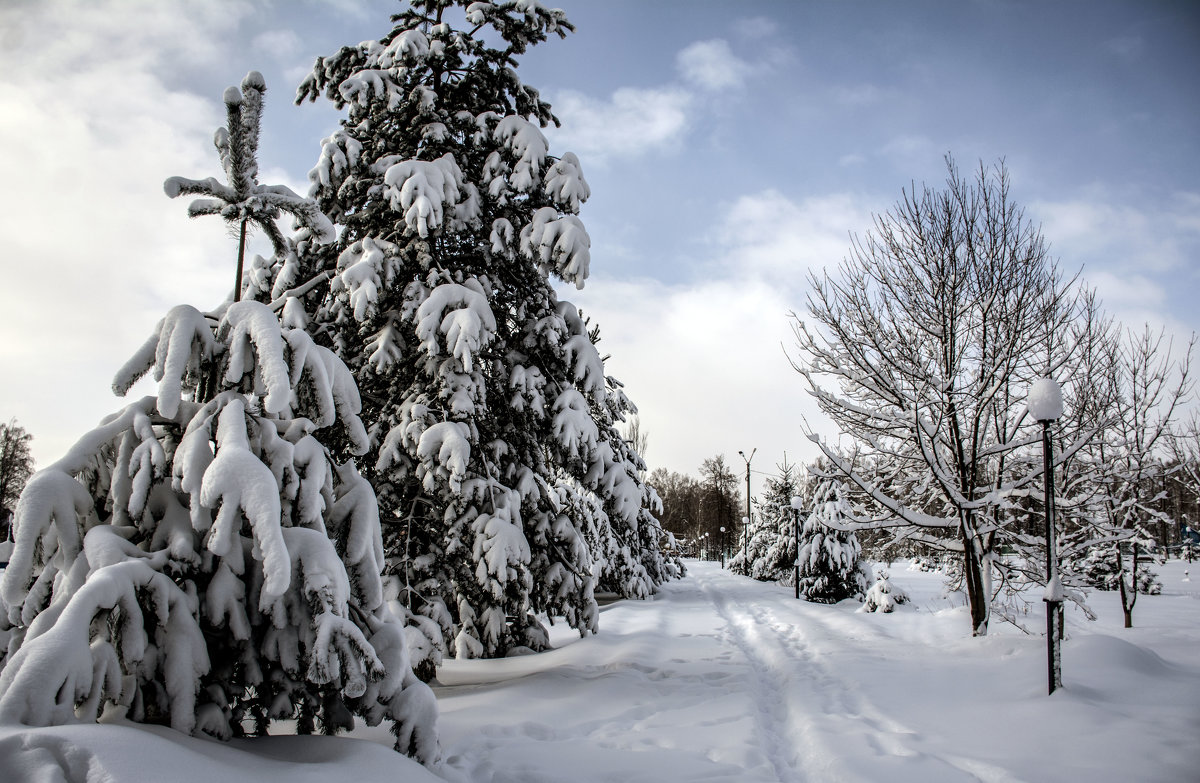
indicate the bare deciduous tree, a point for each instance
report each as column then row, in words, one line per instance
column 1134, row 449
column 921, row 349
column 16, row 466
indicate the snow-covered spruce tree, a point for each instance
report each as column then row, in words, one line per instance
column 198, row 560
column 505, row 484
column 830, row 557
column 772, row 547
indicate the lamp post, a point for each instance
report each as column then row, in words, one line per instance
column 796, row 528
column 746, row 519
column 1046, row 406
column 722, row 546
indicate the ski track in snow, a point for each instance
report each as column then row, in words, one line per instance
column 769, row 682
column 805, row 713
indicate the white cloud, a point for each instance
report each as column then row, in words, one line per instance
column 630, row 123
column 857, row 95
column 770, row 235
column 1134, row 299
column 1125, row 236
column 94, row 252
column 1140, row 256
column 705, row 365
column 712, row 65
column 280, row 44
column 705, row 361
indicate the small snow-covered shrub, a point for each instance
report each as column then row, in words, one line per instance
column 1101, row 570
column 925, row 564
column 883, row 595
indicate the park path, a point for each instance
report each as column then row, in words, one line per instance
column 717, row 678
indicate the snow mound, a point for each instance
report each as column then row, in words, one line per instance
column 1100, row 651
column 101, row 752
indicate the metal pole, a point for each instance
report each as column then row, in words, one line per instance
column 746, row 524
column 1053, row 596
column 796, row 529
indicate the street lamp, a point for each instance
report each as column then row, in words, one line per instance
column 722, row 546
column 746, row 519
column 796, row 527
column 1046, row 406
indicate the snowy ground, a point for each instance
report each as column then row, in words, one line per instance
column 724, row 679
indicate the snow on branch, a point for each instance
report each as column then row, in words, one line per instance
column 182, row 340
column 558, row 244
column 525, row 142
column 565, row 183
column 459, row 313
column 237, row 483
column 364, row 269
column 66, row 673
column 903, row 516
column 421, row 190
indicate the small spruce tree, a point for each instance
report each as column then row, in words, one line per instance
column 199, row 560
column 830, row 557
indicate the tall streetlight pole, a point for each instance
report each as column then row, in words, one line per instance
column 796, row 501
column 722, row 546
column 1046, row 406
column 746, row 520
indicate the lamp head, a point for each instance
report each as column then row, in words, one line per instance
column 1044, row 401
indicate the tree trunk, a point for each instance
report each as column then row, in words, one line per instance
column 237, row 283
column 1128, row 595
column 977, row 598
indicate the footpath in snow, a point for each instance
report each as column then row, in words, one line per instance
column 724, row 678
column 721, row 678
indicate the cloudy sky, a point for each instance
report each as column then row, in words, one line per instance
column 730, row 147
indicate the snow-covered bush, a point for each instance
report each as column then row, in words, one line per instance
column 925, row 563
column 1101, row 569
column 883, row 595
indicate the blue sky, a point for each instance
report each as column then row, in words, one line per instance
column 730, row 148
